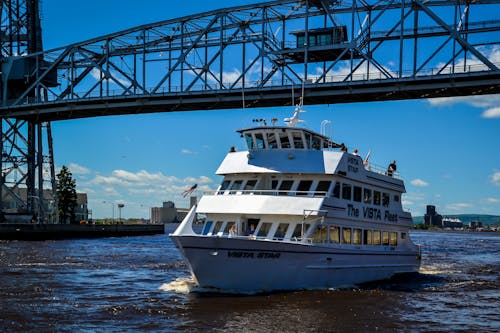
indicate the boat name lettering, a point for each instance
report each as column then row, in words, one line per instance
column 372, row 213
column 352, row 164
column 258, row 255
column 352, row 211
column 392, row 217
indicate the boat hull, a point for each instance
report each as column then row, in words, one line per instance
column 251, row 266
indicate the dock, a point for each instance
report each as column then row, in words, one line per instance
column 67, row 231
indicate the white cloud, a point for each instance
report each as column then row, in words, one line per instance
column 491, row 201
column 495, row 178
column 492, row 113
column 458, row 207
column 419, row 183
column 78, row 169
column 187, row 151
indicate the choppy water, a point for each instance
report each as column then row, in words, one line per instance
column 140, row 284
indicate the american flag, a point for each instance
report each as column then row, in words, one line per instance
column 190, row 190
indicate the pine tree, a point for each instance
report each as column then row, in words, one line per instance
column 66, row 195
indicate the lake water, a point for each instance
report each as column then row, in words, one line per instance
column 141, row 284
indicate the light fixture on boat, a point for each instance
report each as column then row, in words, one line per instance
column 249, row 156
column 291, row 156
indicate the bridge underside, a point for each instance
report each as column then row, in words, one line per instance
column 324, row 93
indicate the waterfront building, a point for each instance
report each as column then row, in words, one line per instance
column 431, row 218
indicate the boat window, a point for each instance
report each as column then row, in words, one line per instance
column 396, row 198
column 250, row 185
column 320, row 234
column 274, row 184
column 224, row 186
column 285, row 141
column 297, row 140
column 281, row 231
column 322, row 187
column 334, row 235
column 228, row 227
column 376, row 198
column 249, row 140
column 385, row 199
column 259, row 139
column 346, row 235
column 385, row 237
column 272, row 141
column 316, row 143
column 217, row 227
column 235, row 186
column 346, row 191
column 367, row 195
column 308, row 140
column 264, row 229
column 357, row 194
column 336, row 190
column 304, row 187
column 367, row 237
column 394, row 238
column 376, row 237
column 403, row 235
column 356, row 236
column 298, row 231
column 206, row 227
column 285, row 187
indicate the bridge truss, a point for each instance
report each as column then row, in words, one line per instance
column 264, row 54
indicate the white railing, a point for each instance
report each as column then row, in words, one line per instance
column 270, row 192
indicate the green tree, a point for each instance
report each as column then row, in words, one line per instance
column 66, row 196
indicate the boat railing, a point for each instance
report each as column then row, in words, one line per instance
column 254, row 237
column 270, row 192
column 381, row 170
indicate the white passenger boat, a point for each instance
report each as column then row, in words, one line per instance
column 306, row 214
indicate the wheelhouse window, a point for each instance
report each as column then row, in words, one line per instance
column 285, row 141
column 250, row 185
column 272, row 141
column 236, row 186
column 396, row 198
column 367, row 196
column 285, row 187
column 308, row 140
column 206, row 227
column 322, row 187
column 304, row 187
column 249, row 140
column 336, row 190
column 335, row 235
column 264, row 229
column 357, row 194
column 297, row 140
column 346, row 191
column 367, row 237
column 228, row 227
column 403, row 235
column 259, row 140
column 274, row 184
column 316, row 143
column 224, row 186
column 376, row 198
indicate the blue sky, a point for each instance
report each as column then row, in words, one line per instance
column 447, row 149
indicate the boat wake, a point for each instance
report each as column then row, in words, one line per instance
column 180, row 285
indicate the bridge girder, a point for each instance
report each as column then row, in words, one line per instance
column 394, row 49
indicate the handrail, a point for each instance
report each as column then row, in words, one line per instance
column 269, row 192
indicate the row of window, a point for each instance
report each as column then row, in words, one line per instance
column 282, row 140
column 359, row 194
column 342, row 190
column 322, row 234
column 357, row 236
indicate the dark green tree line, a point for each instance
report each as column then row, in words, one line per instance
column 66, row 196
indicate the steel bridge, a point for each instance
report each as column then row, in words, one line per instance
column 258, row 55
